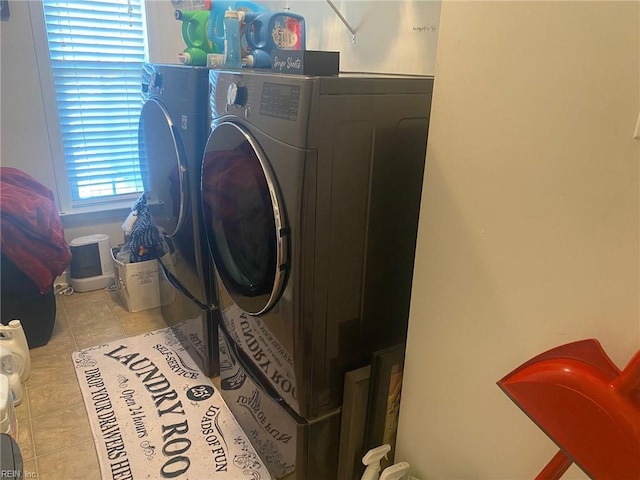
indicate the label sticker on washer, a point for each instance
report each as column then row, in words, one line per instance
column 183, row 122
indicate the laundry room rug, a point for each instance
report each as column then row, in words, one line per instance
column 155, row 415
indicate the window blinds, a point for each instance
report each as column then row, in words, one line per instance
column 96, row 49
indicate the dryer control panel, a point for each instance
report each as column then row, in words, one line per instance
column 277, row 100
column 280, row 101
column 278, row 105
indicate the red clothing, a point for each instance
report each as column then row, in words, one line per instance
column 31, row 232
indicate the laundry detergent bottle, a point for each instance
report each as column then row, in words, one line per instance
column 232, row 40
column 12, row 338
column 8, row 419
column 9, row 367
column 215, row 27
column 275, row 30
column 194, row 34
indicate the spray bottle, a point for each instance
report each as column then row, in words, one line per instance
column 372, row 461
column 13, row 338
column 396, row 471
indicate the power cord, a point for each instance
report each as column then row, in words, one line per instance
column 62, row 289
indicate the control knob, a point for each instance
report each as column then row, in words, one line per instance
column 236, row 94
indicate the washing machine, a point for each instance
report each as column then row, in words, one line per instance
column 311, row 191
column 173, row 128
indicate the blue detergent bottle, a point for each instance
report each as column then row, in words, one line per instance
column 215, row 28
column 275, row 30
column 232, row 47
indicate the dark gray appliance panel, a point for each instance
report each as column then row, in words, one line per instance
column 163, row 159
column 290, row 446
column 172, row 132
column 370, row 173
column 347, row 154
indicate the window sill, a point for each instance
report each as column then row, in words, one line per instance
column 113, row 212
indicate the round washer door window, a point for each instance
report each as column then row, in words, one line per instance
column 162, row 163
column 244, row 219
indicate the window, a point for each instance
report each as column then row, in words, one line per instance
column 95, row 51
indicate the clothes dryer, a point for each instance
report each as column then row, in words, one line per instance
column 173, row 128
column 311, row 191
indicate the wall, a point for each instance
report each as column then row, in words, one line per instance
column 24, row 143
column 391, row 37
column 529, row 234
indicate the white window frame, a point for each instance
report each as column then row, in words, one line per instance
column 98, row 209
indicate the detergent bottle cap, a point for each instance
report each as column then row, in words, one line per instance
column 395, row 471
column 231, row 14
column 257, row 59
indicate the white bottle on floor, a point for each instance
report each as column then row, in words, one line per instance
column 8, row 421
column 13, row 338
column 372, row 460
column 9, row 367
column 397, row 471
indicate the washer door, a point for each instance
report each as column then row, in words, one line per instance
column 163, row 166
column 244, row 219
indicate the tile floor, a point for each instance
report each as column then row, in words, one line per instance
column 54, row 433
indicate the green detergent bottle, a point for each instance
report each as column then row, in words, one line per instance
column 194, row 34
